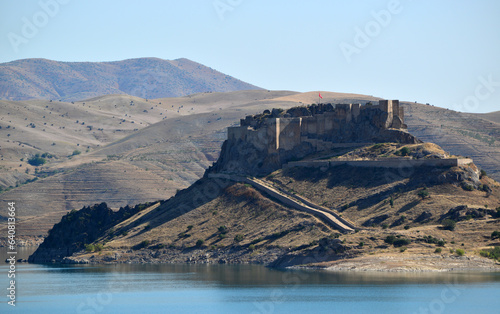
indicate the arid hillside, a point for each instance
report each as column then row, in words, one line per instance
column 492, row 116
column 419, row 218
column 125, row 150
column 144, row 77
column 473, row 135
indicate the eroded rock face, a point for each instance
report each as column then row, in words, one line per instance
column 466, row 176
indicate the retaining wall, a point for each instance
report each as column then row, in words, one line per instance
column 388, row 163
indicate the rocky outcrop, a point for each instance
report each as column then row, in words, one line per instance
column 78, row 228
column 464, row 212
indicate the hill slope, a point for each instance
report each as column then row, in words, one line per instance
column 467, row 134
column 219, row 221
column 166, row 144
column 144, row 77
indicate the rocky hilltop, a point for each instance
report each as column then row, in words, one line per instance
column 342, row 187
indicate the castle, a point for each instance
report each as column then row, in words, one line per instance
column 264, row 142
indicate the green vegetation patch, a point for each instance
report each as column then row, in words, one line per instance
column 449, row 224
column 491, row 253
column 36, row 161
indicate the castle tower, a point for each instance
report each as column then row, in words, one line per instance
column 386, row 106
column 356, row 110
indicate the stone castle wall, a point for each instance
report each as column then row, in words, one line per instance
column 337, row 124
column 383, row 163
column 264, row 142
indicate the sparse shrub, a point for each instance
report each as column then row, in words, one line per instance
column 199, row 243
column 407, row 227
column 239, row 238
column 424, row 193
column 405, row 151
column 438, row 250
column 189, row 227
column 98, row 247
column 390, row 239
column 391, row 201
column 495, row 234
column 441, row 243
column 491, row 253
column 460, row 252
column 449, row 224
column 484, row 253
column 483, row 174
column 361, row 244
column 251, row 247
column 402, row 249
column 89, row 248
column 76, row 152
column 222, row 229
column 486, row 188
column 385, row 226
column 467, row 187
column 37, row 161
column 401, row 242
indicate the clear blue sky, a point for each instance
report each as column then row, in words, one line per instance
column 446, row 52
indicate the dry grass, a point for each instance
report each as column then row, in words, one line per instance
column 364, row 194
column 240, row 209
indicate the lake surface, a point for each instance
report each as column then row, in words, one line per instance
column 244, row 289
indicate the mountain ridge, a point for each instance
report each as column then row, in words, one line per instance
column 148, row 78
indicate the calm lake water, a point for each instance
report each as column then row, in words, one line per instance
column 244, row 289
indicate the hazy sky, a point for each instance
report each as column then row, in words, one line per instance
column 446, row 53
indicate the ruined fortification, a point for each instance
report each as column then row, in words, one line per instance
column 264, row 142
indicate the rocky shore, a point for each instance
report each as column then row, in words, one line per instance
column 163, row 256
column 411, row 263
column 280, row 258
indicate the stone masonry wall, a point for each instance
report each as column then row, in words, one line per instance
column 264, row 142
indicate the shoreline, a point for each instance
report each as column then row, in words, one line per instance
column 279, row 259
column 411, row 263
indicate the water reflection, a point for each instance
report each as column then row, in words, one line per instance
column 244, row 289
column 257, row 275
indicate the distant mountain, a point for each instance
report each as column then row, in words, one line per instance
column 144, row 77
column 492, row 116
